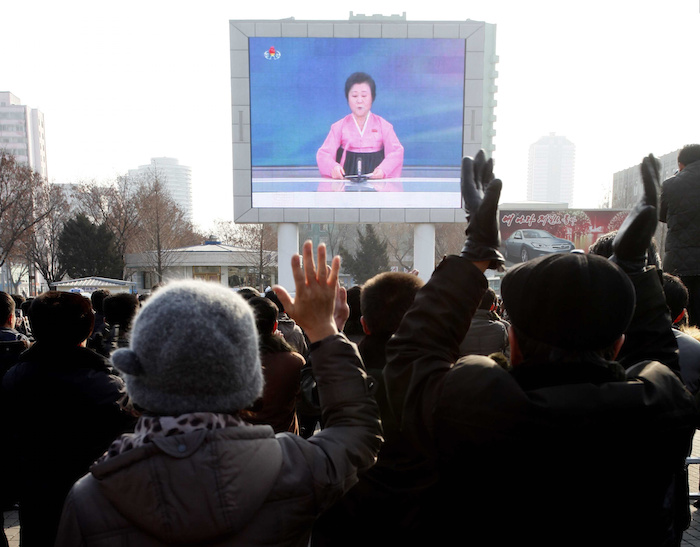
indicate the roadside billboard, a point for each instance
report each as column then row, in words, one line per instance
column 526, row 234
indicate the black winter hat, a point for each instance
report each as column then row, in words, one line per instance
column 571, row 301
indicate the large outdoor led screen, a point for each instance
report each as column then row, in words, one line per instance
column 339, row 117
column 297, row 91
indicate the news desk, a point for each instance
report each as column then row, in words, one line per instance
column 297, row 189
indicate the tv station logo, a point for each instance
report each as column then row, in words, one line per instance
column 272, row 54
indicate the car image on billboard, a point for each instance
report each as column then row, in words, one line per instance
column 522, row 245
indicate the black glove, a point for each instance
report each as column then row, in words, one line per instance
column 631, row 244
column 480, row 192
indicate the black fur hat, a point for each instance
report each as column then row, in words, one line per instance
column 572, row 301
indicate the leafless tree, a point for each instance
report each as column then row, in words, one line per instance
column 226, row 231
column 41, row 244
column 162, row 225
column 19, row 185
column 111, row 204
column 261, row 238
column 449, row 239
column 17, row 267
column 337, row 237
column 399, row 242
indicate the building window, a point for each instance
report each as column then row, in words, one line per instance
column 207, row 273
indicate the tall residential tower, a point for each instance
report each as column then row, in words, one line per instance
column 177, row 179
column 550, row 176
column 22, row 132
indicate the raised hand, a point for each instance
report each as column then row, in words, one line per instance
column 314, row 302
column 480, row 192
column 341, row 311
column 632, row 241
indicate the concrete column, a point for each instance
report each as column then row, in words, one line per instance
column 287, row 246
column 224, row 276
column 424, row 250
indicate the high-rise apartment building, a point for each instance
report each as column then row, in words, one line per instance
column 551, row 170
column 22, row 132
column 176, row 178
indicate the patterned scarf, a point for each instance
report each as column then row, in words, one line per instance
column 148, row 427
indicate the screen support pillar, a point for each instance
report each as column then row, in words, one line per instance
column 287, row 246
column 424, row 250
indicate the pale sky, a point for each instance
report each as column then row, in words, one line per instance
column 122, row 82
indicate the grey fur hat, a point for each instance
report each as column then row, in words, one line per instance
column 193, row 348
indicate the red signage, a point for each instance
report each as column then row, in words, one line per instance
column 582, row 227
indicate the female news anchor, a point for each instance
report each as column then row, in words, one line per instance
column 361, row 143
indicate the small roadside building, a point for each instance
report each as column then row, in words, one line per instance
column 212, row 261
column 88, row 285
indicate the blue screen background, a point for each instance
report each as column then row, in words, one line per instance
column 295, row 98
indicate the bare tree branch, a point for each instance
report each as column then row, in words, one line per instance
column 449, row 239
column 162, row 225
column 19, row 186
column 111, row 204
column 261, row 238
column 399, row 241
column 41, row 245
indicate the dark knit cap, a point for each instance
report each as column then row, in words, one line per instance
column 571, row 301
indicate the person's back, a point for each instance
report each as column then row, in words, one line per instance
column 553, row 455
column 680, row 206
column 119, row 311
column 353, row 327
column 21, row 321
column 63, row 404
column 23, row 325
column 194, row 472
column 292, row 334
column 281, row 371
column 569, row 434
column 487, row 333
column 12, row 342
column 677, row 298
column 289, row 329
column 680, row 210
column 97, row 299
column 561, row 439
column 386, row 506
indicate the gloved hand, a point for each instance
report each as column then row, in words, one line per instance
column 631, row 244
column 480, row 192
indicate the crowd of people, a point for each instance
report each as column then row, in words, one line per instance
column 396, row 412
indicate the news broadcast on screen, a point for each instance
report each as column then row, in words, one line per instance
column 348, row 116
column 298, row 100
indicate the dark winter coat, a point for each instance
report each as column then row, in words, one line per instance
column 521, row 454
column 680, row 210
column 63, row 411
column 384, row 507
column 277, row 406
column 12, row 343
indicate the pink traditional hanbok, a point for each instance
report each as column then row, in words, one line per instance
column 361, row 151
